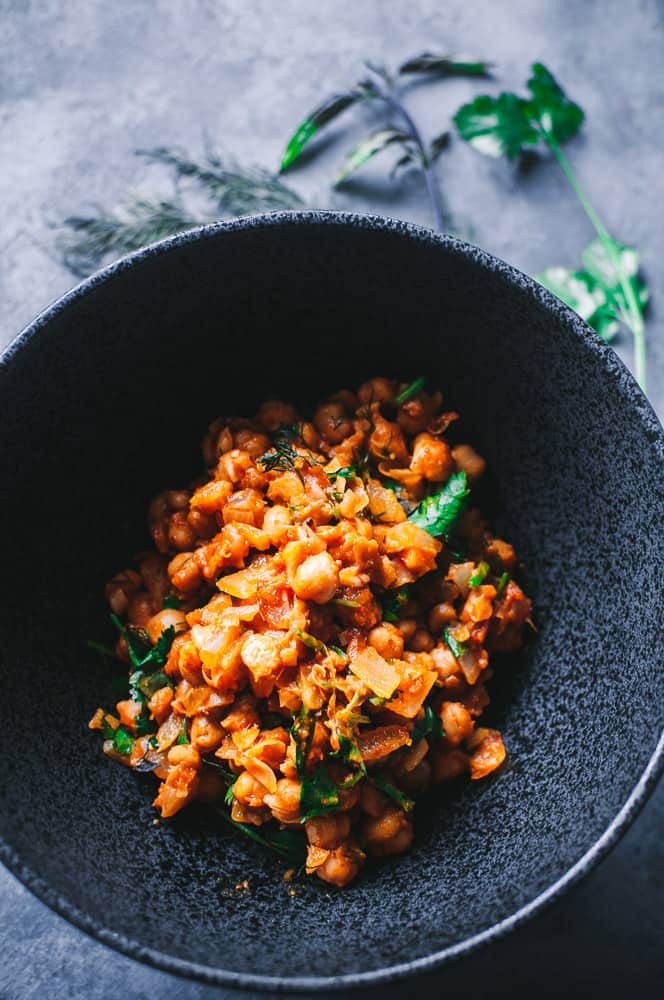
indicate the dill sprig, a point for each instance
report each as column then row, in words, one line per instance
column 139, row 221
column 236, row 190
column 228, row 189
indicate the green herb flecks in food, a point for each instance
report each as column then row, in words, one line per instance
column 290, row 845
column 392, row 792
column 439, row 512
column 430, row 727
column 458, row 648
column 393, row 601
column 319, row 793
column 171, row 601
column 502, row 583
column 410, row 391
column 479, row 575
column 302, row 731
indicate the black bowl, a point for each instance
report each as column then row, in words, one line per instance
column 104, row 400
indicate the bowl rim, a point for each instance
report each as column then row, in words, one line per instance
column 630, row 395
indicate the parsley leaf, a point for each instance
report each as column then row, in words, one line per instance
column 347, row 472
column 550, row 106
column 502, row 583
column 393, row 602
column 171, row 601
column 141, row 652
column 496, row 126
column 123, row 741
column 318, row 793
column 438, row 513
column 596, row 293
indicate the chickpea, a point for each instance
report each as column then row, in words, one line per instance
column 140, row 609
column 163, row 620
column 153, row 569
column 248, row 791
column 184, row 754
column 317, row 578
column 178, row 499
column 285, row 802
column 376, row 390
column 432, row 458
column 422, row 641
column 274, row 413
column 408, row 628
column 341, row 866
column 417, row 781
column 457, row 722
column 467, row 459
column 120, row 589
column 448, row 764
column 185, row 572
column 233, row 465
column 181, row 535
column 205, row 734
column 387, row 640
column 328, row 831
column 160, row 704
column 210, row 786
column 253, row 442
column 391, row 833
column 372, row 802
column 276, row 522
column 440, row 616
column 331, row 421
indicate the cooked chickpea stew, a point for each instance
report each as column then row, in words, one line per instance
column 308, row 643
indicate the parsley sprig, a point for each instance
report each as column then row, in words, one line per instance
column 608, row 290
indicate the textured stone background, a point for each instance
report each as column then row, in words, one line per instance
column 85, row 83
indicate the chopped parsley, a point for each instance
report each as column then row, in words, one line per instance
column 394, row 601
column 439, row 512
column 458, row 648
column 479, row 574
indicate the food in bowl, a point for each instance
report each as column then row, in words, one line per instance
column 308, row 646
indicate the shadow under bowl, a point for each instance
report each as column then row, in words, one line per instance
column 104, row 400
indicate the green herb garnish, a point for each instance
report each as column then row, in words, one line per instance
column 171, row 601
column 393, row 601
column 318, row 793
column 347, row 472
column 291, row 845
column 345, row 602
column 141, row 652
column 302, row 731
column 100, row 648
column 479, row 575
column 438, row 513
column 392, row 791
column 123, row 741
column 183, row 736
column 608, row 290
column 410, row 391
column 502, row 583
column 430, row 726
column 311, row 642
column 458, row 648
column 226, row 187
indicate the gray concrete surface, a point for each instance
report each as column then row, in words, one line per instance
column 85, row 83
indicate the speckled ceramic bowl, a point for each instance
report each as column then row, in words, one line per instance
column 104, row 399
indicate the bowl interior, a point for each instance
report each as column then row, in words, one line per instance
column 107, row 403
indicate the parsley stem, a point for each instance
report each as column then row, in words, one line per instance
column 634, row 316
column 433, row 189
